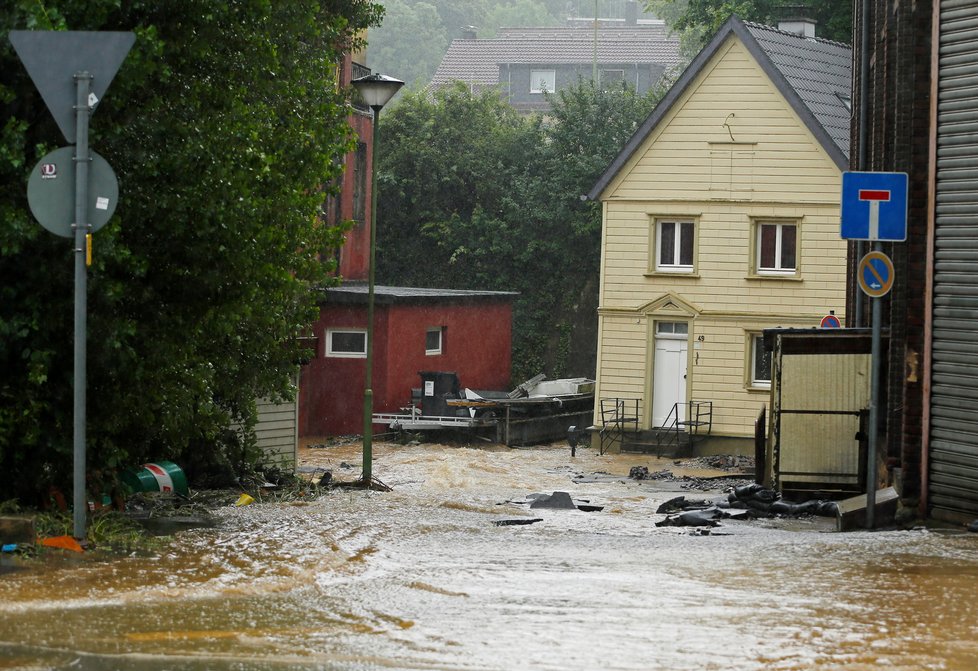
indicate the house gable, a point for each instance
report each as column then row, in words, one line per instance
column 812, row 77
column 732, row 134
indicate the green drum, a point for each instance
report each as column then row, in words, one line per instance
column 160, row 476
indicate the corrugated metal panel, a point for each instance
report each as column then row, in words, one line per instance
column 953, row 488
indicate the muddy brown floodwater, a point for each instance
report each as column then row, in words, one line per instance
column 421, row 578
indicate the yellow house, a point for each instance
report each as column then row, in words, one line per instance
column 721, row 219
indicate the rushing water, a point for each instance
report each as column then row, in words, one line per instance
column 421, row 578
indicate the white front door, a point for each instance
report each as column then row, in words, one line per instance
column 669, row 371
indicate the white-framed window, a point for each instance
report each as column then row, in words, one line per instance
column 543, row 81
column 434, row 340
column 348, row 343
column 759, row 362
column 776, row 251
column 674, row 246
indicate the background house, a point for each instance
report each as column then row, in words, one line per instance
column 721, row 219
column 524, row 63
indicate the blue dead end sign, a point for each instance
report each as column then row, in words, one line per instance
column 874, row 206
column 875, row 274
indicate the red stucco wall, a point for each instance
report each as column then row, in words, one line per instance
column 477, row 345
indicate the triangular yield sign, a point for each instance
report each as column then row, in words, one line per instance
column 52, row 57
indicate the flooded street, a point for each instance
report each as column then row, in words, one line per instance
column 422, row 578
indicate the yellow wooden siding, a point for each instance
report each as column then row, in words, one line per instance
column 691, row 168
column 277, row 434
column 724, row 258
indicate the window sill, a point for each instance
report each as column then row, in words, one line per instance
column 758, row 390
column 667, row 273
column 774, row 277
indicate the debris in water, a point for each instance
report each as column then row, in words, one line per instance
column 743, row 501
column 693, row 518
column 63, row 542
column 560, row 500
column 244, row 500
column 517, row 522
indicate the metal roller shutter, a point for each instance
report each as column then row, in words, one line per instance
column 953, row 493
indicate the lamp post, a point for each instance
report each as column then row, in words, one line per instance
column 376, row 91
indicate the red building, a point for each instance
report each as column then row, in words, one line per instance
column 465, row 332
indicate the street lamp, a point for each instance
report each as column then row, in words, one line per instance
column 375, row 90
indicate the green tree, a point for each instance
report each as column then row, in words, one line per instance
column 475, row 196
column 587, row 127
column 450, row 171
column 222, row 124
column 698, row 20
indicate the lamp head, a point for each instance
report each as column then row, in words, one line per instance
column 376, row 90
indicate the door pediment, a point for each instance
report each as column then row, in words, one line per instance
column 670, row 305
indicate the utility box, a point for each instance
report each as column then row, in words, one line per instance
column 820, row 393
column 436, row 388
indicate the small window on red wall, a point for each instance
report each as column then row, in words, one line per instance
column 434, row 340
column 349, row 343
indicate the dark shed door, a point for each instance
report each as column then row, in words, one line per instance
column 953, row 466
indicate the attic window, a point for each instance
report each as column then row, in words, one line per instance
column 543, row 81
column 845, row 99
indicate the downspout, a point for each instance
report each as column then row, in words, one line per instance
column 935, row 49
column 861, row 158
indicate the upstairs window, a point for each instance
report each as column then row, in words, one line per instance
column 777, row 249
column 674, row 246
column 543, row 81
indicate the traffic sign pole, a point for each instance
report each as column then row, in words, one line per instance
column 876, row 276
column 874, row 403
column 63, row 65
column 81, row 227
